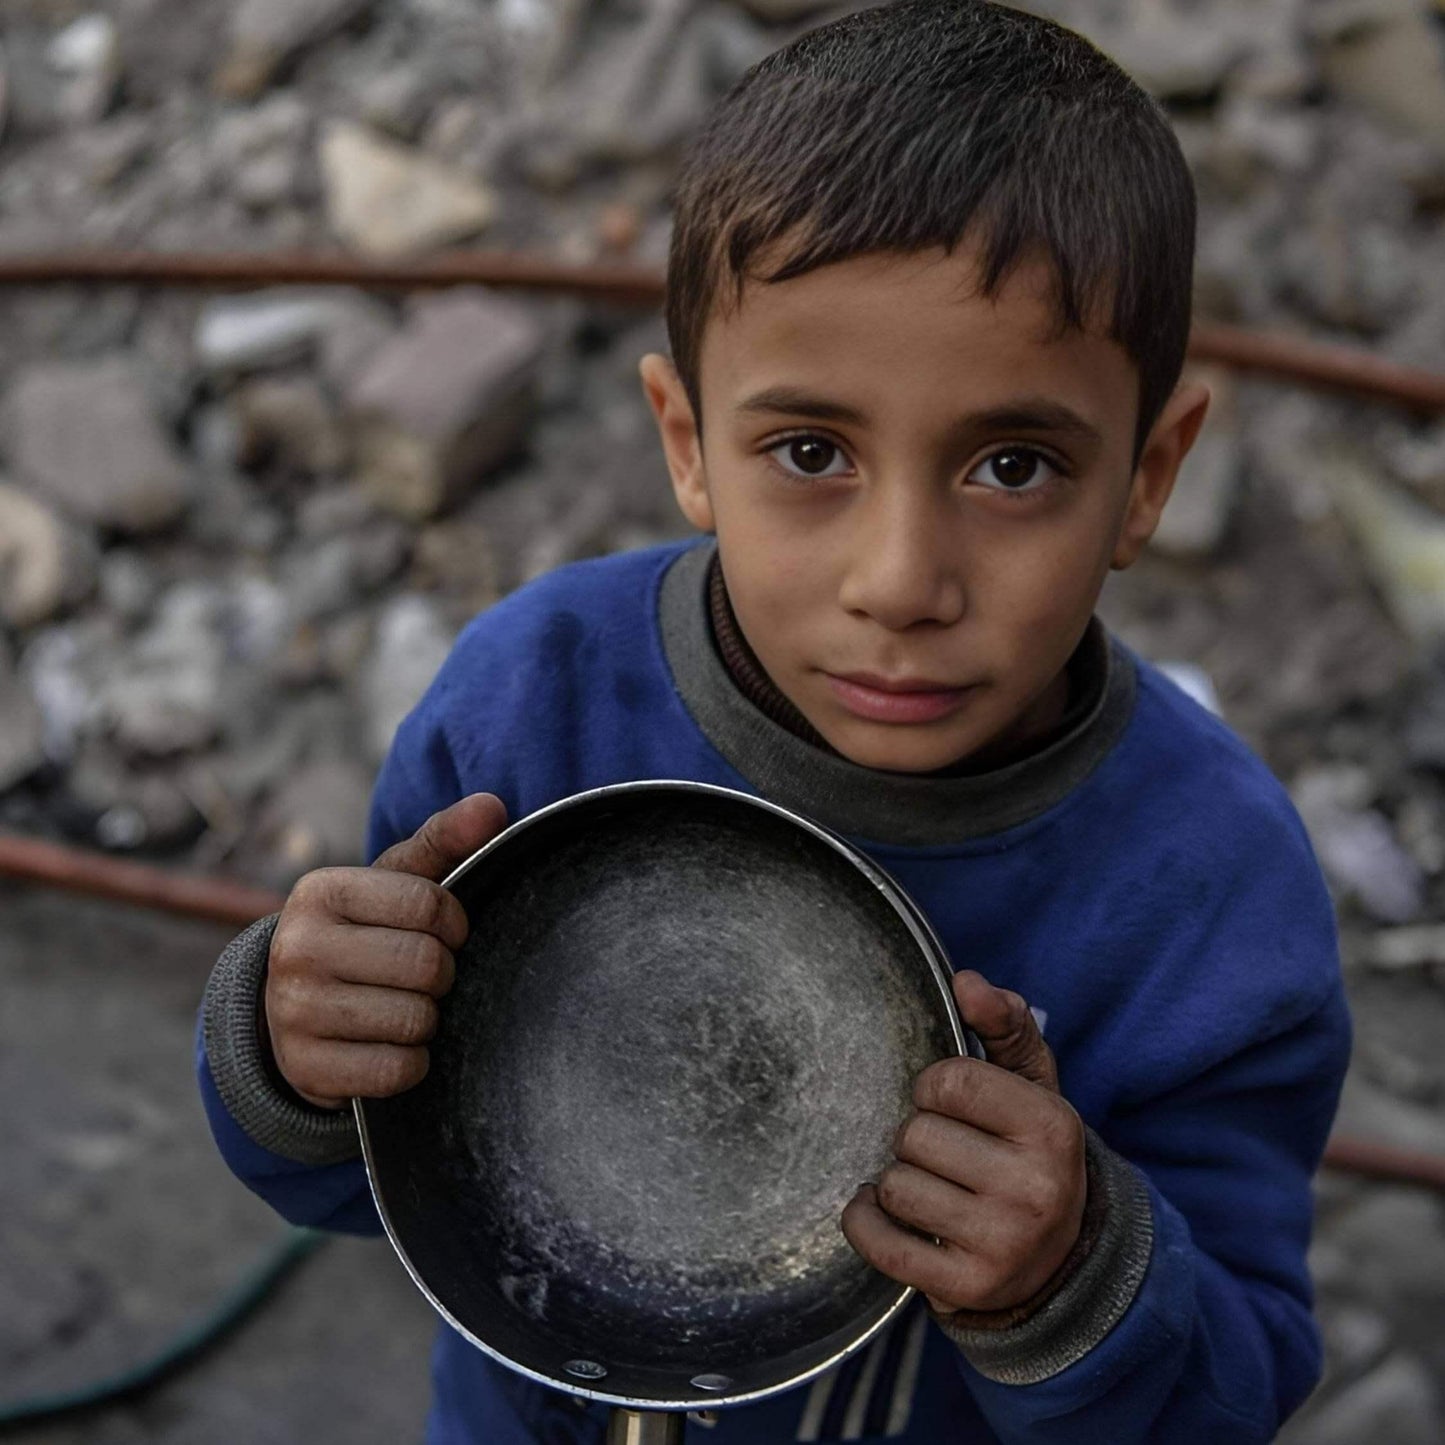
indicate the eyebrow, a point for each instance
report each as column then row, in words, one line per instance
column 1030, row 413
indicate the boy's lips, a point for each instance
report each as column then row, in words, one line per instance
column 899, row 700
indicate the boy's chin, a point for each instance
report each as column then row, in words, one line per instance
column 893, row 750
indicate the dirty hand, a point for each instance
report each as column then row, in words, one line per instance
column 360, row 956
column 991, row 1166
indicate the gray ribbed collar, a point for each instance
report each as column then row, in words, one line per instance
column 901, row 809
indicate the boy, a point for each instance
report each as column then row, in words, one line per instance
column 928, row 298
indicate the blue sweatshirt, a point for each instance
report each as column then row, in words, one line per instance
column 1144, row 883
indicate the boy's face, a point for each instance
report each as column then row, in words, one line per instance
column 912, row 482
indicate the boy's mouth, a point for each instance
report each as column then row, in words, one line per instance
column 896, row 700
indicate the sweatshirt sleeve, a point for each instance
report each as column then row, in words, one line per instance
column 305, row 1162
column 1195, row 1325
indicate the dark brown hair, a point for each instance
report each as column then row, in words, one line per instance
column 913, row 124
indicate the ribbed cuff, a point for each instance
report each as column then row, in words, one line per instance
column 1091, row 1301
column 279, row 1121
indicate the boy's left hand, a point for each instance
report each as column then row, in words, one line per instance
column 991, row 1166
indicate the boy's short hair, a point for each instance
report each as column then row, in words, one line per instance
column 906, row 126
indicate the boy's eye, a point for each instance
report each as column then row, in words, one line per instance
column 807, row 455
column 1014, row 469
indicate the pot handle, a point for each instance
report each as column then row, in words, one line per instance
column 644, row 1427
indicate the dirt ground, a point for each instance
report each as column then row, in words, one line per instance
column 120, row 1226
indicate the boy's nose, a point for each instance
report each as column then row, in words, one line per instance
column 903, row 565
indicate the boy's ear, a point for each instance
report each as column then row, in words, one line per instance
column 677, row 427
column 1165, row 448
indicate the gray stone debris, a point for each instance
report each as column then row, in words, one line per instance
column 66, row 78
column 1401, row 541
column 281, row 122
column 1255, row 141
column 410, row 646
column 1409, row 946
column 1396, row 1402
column 128, row 584
column 22, row 729
column 356, row 331
column 1357, row 846
column 163, row 695
column 1420, row 827
column 1392, row 62
column 387, row 199
column 129, row 807
column 86, row 436
column 393, row 101
column 268, row 328
column 64, row 666
column 230, row 516
column 329, row 576
column 289, row 421
column 105, row 154
column 1372, row 1112
column 781, row 12
column 1416, row 455
column 1175, row 55
column 86, row 53
column 255, row 620
column 319, row 819
column 445, row 400
column 641, row 95
column 326, row 511
column 1388, row 1245
column 1356, row 1338
column 265, row 34
column 46, row 564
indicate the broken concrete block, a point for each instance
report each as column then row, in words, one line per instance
column 45, row 564
column 444, row 401
column 388, row 200
column 86, row 436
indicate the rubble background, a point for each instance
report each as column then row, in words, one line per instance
column 237, row 533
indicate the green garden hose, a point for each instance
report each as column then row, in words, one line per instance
column 191, row 1342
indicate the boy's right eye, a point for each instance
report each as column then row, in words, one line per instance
column 806, row 455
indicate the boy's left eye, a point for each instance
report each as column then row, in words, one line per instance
column 1014, row 469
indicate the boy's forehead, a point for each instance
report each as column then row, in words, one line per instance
column 918, row 325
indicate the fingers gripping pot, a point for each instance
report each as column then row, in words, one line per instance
column 684, row 1028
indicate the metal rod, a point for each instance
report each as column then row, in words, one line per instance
column 1336, row 368
column 1353, row 1155
column 1314, row 363
column 644, row 1427
column 216, row 900
column 636, row 285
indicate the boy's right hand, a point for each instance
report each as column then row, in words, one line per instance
column 360, row 957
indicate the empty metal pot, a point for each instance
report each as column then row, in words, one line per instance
column 684, row 1028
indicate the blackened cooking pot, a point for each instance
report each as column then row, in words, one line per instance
column 684, row 1028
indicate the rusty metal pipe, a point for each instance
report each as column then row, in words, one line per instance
column 629, row 284
column 1374, row 1160
column 1313, row 363
column 1334, row 368
column 217, row 900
